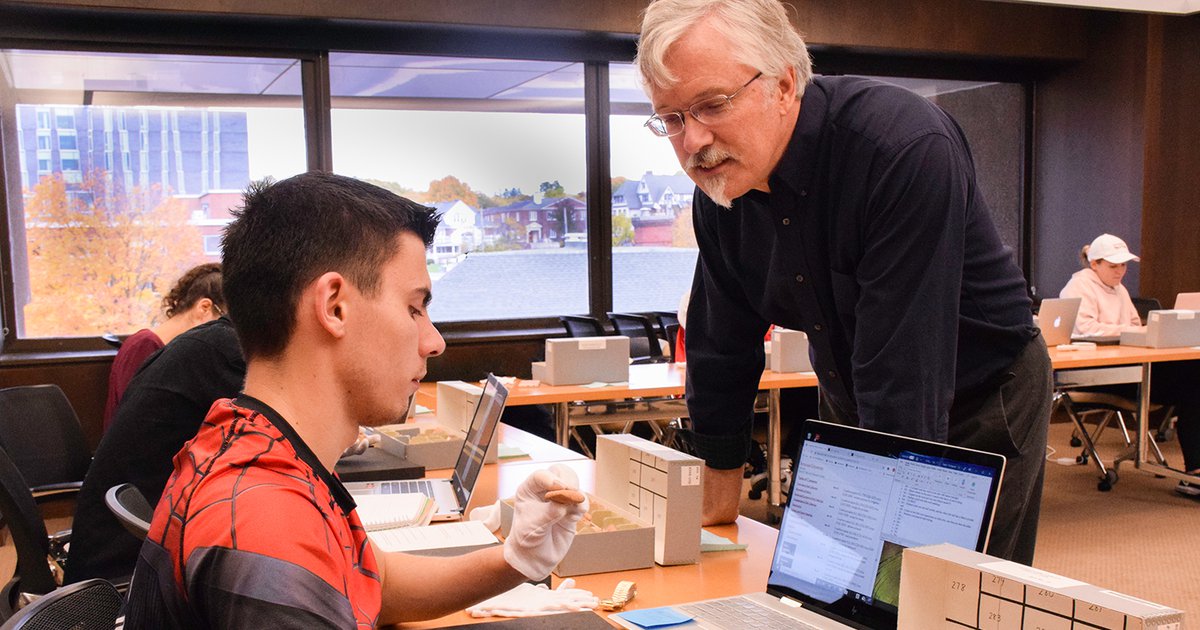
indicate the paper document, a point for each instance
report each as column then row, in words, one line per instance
column 387, row 511
column 449, row 535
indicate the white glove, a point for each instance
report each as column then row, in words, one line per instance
column 361, row 443
column 488, row 514
column 527, row 600
column 542, row 530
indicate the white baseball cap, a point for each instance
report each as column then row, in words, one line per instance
column 1110, row 248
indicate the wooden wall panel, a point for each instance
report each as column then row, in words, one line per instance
column 1088, row 142
column 1171, row 215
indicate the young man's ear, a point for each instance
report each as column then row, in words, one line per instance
column 328, row 295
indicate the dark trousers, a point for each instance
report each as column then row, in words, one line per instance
column 1012, row 420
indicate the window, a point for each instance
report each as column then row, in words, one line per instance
column 43, row 142
column 654, row 250
column 99, row 251
column 502, row 138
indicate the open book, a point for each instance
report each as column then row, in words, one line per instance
column 389, row 511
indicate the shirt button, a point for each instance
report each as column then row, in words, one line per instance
column 817, row 327
column 832, row 374
column 799, row 278
column 787, row 221
column 803, row 192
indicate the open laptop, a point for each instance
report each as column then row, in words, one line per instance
column 858, row 498
column 1056, row 318
column 1166, row 329
column 453, row 495
column 1187, row 302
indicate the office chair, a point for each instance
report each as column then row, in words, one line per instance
column 582, row 326
column 643, row 341
column 131, row 508
column 88, row 605
column 1144, row 305
column 42, row 435
column 1079, row 405
column 40, row 557
column 668, row 328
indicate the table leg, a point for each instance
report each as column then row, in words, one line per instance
column 774, row 440
column 562, row 423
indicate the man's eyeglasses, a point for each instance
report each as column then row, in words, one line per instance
column 707, row 112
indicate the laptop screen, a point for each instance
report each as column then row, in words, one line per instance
column 479, row 437
column 858, row 498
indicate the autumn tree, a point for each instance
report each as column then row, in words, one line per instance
column 552, row 189
column 622, row 231
column 681, row 229
column 450, row 188
column 101, row 260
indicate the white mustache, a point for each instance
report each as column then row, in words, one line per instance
column 707, row 158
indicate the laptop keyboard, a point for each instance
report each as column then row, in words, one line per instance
column 739, row 612
column 407, row 487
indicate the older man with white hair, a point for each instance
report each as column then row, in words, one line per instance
column 846, row 208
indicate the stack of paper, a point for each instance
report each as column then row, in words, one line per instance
column 389, row 511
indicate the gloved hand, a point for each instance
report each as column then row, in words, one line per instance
column 527, row 600
column 361, row 443
column 542, row 530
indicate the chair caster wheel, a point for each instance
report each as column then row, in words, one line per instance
column 755, row 495
column 1076, row 442
column 1081, row 460
column 1106, row 484
column 1164, row 436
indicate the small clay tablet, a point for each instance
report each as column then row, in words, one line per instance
column 565, row 496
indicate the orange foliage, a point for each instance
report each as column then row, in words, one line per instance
column 100, row 259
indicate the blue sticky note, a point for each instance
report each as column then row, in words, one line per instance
column 655, row 617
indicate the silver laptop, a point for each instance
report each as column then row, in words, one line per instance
column 1056, row 318
column 453, row 495
column 1166, row 329
column 858, row 498
column 1187, row 302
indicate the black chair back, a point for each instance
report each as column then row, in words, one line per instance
column 1144, row 306
column 29, row 536
column 131, row 508
column 582, row 326
column 42, row 435
column 643, row 340
column 88, row 605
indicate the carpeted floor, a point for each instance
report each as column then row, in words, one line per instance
column 1140, row 538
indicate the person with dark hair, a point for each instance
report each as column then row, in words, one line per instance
column 161, row 410
column 327, row 288
column 849, row 209
column 196, row 298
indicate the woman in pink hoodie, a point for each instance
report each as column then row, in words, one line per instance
column 1106, row 309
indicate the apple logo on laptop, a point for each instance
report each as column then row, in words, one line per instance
column 1058, row 321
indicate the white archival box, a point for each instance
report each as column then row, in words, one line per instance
column 582, row 360
column 659, row 484
column 789, row 351
column 1166, row 329
column 456, row 402
column 945, row 586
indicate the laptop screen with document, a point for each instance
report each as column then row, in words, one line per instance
column 479, row 437
column 858, row 498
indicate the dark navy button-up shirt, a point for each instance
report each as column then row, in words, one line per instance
column 875, row 240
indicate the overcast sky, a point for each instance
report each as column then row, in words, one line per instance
column 489, row 151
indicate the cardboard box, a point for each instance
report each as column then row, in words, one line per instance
column 456, row 403
column 789, row 351
column 661, row 485
column 944, row 586
column 428, row 443
column 582, row 360
column 597, row 549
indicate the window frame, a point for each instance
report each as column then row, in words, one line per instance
column 139, row 31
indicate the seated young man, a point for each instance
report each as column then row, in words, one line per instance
column 326, row 284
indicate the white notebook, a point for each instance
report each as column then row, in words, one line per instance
column 389, row 511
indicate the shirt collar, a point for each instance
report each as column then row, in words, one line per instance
column 336, row 489
column 791, row 172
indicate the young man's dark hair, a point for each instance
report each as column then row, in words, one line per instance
column 299, row 228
